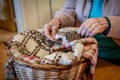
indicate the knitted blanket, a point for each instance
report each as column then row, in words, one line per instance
column 32, row 46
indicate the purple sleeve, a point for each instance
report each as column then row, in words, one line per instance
column 67, row 13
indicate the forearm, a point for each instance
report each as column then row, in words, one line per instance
column 67, row 14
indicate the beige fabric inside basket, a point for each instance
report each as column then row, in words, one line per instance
column 32, row 46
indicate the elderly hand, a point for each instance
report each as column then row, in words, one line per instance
column 93, row 26
column 51, row 28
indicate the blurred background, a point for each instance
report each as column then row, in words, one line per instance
column 27, row 14
column 31, row 14
column 19, row 15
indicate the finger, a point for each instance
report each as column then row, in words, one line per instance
column 91, row 34
column 94, row 32
column 98, row 28
column 87, row 25
column 54, row 31
column 89, row 56
column 83, row 32
column 91, row 26
column 82, row 27
column 47, row 31
column 89, row 31
column 80, row 30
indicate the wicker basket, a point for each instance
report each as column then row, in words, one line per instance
column 27, row 71
column 49, row 72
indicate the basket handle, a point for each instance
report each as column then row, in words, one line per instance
column 6, row 45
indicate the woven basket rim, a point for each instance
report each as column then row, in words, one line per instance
column 46, row 66
column 49, row 66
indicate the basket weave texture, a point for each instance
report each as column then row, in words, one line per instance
column 50, row 72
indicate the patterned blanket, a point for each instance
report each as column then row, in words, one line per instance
column 33, row 47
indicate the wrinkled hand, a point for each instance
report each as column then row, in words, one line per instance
column 93, row 26
column 51, row 28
